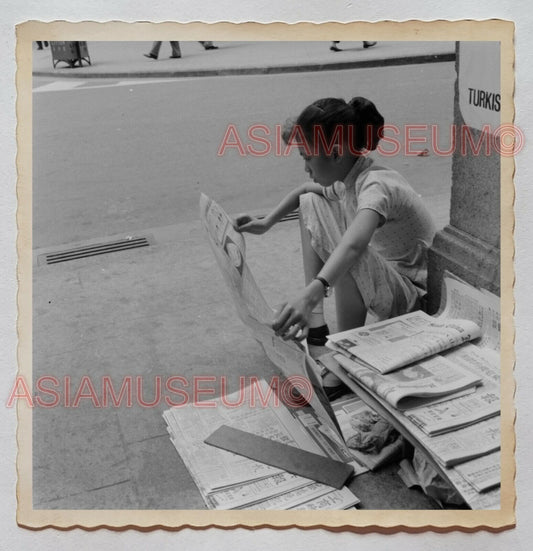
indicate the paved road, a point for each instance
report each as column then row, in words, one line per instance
column 123, row 156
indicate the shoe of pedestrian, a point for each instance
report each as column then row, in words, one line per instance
column 369, row 44
column 175, row 57
column 150, row 56
column 336, row 49
column 211, row 47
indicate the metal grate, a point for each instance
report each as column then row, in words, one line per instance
column 96, row 249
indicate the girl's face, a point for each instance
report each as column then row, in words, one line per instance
column 321, row 168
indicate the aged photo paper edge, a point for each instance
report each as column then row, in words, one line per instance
column 353, row 520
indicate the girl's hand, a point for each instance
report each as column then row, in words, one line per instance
column 250, row 224
column 292, row 319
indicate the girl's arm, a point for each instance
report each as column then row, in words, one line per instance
column 353, row 243
column 251, row 224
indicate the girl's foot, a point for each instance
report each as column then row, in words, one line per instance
column 333, row 386
column 336, row 49
column 317, row 336
column 369, row 44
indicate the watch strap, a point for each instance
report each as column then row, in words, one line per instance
column 327, row 286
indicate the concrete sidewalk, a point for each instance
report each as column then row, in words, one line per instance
column 126, row 59
column 163, row 310
column 155, row 312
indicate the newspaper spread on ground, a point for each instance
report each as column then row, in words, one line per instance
column 415, row 385
column 227, row 480
column 391, row 344
column 311, row 497
column 285, row 487
column 482, row 404
column 340, row 499
column 228, row 246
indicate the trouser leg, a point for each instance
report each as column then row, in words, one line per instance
column 176, row 51
column 156, row 46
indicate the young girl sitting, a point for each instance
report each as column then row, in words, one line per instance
column 364, row 230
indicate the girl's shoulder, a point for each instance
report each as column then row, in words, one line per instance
column 374, row 172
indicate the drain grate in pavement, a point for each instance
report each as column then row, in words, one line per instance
column 96, row 249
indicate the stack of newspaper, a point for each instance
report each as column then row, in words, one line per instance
column 230, row 481
column 438, row 379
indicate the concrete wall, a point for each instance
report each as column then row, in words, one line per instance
column 469, row 246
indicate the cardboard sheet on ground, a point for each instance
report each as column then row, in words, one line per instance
column 290, row 459
column 229, row 249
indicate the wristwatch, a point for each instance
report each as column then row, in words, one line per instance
column 327, row 286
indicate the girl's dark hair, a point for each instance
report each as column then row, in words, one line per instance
column 359, row 121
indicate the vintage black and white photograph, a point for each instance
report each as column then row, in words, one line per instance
column 265, row 275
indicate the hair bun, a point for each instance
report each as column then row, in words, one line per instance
column 369, row 120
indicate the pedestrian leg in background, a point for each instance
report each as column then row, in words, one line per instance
column 208, row 45
column 40, row 44
column 154, row 52
column 176, row 52
column 156, row 46
column 335, row 48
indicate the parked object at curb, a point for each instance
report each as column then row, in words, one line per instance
column 70, row 52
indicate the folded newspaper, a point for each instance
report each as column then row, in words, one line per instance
column 391, row 344
column 460, row 434
column 466, row 410
column 425, row 382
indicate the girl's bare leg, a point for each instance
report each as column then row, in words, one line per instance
column 351, row 310
column 312, row 265
column 312, row 262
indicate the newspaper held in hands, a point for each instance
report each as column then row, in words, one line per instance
column 391, row 344
column 228, row 246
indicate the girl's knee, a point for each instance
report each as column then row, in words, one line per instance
column 310, row 199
